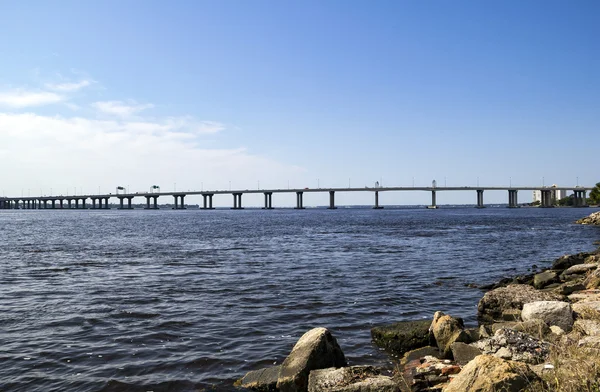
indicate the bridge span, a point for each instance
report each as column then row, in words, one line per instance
column 100, row 201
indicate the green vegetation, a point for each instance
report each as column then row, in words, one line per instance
column 566, row 201
column 595, row 195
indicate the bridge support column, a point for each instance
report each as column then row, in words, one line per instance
column 45, row 204
column 53, row 204
column 480, row 198
column 377, row 206
column 580, row 198
column 121, row 203
column 512, row 198
column 433, row 200
column 176, row 197
column 129, row 199
column 83, row 200
column 237, row 201
column 207, row 203
column 61, row 203
column 268, row 201
column 299, row 201
column 94, row 203
column 147, row 202
column 332, row 200
column 155, row 204
column 546, row 198
column 182, row 202
column 106, row 203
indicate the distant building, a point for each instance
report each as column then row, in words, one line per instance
column 557, row 194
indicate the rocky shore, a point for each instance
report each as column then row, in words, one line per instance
column 536, row 333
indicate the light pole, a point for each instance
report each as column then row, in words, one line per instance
column 318, row 184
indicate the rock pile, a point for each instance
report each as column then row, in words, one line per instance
column 509, row 350
column 593, row 219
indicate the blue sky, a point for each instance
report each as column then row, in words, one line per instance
column 198, row 94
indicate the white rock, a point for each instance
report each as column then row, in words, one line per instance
column 551, row 312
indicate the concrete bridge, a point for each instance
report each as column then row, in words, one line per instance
column 125, row 199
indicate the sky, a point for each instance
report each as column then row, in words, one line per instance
column 218, row 95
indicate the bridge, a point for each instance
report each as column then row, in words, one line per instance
column 101, row 201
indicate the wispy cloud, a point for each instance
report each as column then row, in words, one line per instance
column 68, row 87
column 21, row 98
column 120, row 108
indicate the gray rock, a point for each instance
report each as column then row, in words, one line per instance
column 570, row 287
column 464, row 353
column 316, row 349
column 551, row 312
column 544, row 278
column 447, row 330
column 263, row 380
column 510, row 298
column 486, row 373
column 580, row 269
column 564, row 262
column 420, row 353
column 593, row 219
column 404, row 336
column 350, row 379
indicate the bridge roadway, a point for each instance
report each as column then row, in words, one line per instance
column 125, row 199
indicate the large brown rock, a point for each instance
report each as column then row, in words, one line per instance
column 447, row 330
column 403, row 336
column 350, row 379
column 316, row 349
column 486, row 373
column 509, row 299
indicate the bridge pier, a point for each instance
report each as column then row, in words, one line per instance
column 332, row 200
column 377, row 206
column 512, row 198
column 154, row 205
column 268, row 201
column 237, row 201
column 177, row 205
column 480, row 198
column 207, row 197
column 94, row 203
column 580, row 198
column 299, row 201
column 433, row 201
column 53, row 204
column 546, row 201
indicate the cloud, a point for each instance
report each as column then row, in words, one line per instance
column 21, row 99
column 92, row 152
column 68, row 87
column 120, row 108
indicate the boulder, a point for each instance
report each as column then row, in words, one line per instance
column 316, row 349
column 510, row 298
column 551, row 312
column 486, row 373
column 350, row 379
column 580, row 269
column 427, row 373
column 263, row 380
column 463, row 353
column 447, row 330
column 570, row 287
column 403, row 336
column 564, row 262
column 515, row 345
column 543, row 279
column 420, row 353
